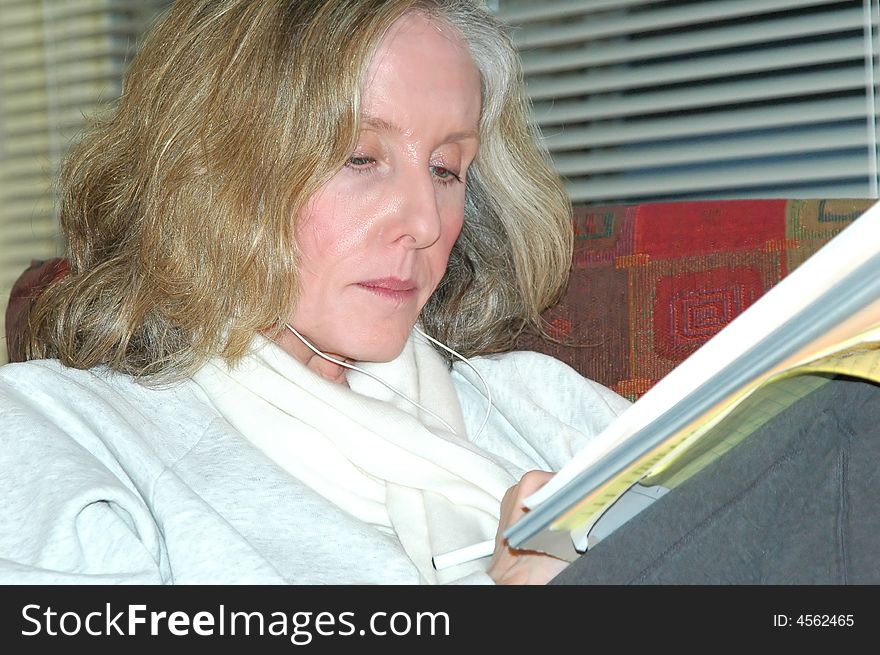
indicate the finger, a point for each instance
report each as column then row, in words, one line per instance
column 532, row 481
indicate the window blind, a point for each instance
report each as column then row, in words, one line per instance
column 643, row 100
column 60, row 61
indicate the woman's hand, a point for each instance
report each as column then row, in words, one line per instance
column 512, row 566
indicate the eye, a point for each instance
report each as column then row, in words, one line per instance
column 444, row 174
column 357, row 162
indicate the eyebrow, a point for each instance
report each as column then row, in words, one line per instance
column 386, row 126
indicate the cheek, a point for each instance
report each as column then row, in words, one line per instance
column 451, row 230
column 452, row 227
column 331, row 226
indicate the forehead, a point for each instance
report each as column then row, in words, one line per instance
column 421, row 66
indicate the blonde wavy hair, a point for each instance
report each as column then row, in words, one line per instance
column 179, row 208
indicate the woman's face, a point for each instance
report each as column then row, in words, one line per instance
column 375, row 239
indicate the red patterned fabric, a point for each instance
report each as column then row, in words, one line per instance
column 27, row 287
column 651, row 283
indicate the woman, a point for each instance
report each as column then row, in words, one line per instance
column 232, row 385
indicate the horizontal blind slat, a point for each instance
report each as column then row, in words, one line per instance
column 22, row 232
column 771, row 59
column 72, row 98
column 537, row 11
column 70, row 37
column 108, row 56
column 710, row 94
column 110, row 76
column 719, row 122
column 61, row 13
column 650, row 20
column 29, row 127
column 813, row 189
column 841, row 167
column 691, row 42
column 714, row 150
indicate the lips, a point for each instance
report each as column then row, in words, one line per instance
column 391, row 287
column 390, row 284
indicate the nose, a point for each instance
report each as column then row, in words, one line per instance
column 419, row 221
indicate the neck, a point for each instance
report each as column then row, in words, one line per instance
column 291, row 344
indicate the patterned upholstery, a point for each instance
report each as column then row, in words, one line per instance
column 28, row 285
column 650, row 283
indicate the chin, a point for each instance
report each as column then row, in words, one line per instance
column 383, row 354
column 380, row 347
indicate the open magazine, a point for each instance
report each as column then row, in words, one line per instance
column 820, row 320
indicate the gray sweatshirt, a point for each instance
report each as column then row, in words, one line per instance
column 103, row 480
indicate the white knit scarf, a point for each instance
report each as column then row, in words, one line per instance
column 368, row 451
